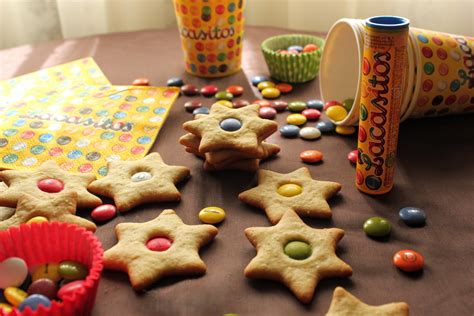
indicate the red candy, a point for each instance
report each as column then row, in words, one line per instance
column 70, row 289
column 331, row 103
column 352, row 156
column 310, row 48
column 141, row 82
column 104, row 212
column 267, row 113
column 280, row 105
column 262, row 103
column 240, row 103
column 408, row 260
column 235, row 90
column 190, row 106
column 311, row 156
column 209, row 90
column 311, row 114
column 284, row 87
column 189, row 90
column 50, row 185
column 159, row 244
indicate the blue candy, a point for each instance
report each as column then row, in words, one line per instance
column 315, row 104
column 34, row 302
column 230, row 125
column 257, row 79
column 289, row 131
column 202, row 110
column 326, row 126
column 175, row 82
column 298, row 48
column 412, row 216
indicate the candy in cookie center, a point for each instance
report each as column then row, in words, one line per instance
column 159, row 243
column 230, row 124
column 141, row 176
column 50, row 185
column 298, row 250
column 289, row 189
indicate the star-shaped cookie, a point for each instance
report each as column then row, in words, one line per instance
column 311, row 201
column 131, row 183
column 246, row 133
column 145, row 266
column 345, row 304
column 5, row 212
column 19, row 181
column 60, row 207
column 301, row 275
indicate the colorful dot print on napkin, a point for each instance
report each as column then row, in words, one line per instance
column 81, row 127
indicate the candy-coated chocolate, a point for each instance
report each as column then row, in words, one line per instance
column 298, row 250
column 104, row 212
column 293, row 52
column 141, row 82
column 310, row 133
column 37, row 219
column 48, row 271
column 230, row 124
column 336, row 113
column 44, row 287
column 296, row 106
column 211, row 215
column 235, row 90
column 224, row 95
column 326, row 126
column 72, row 270
column 289, row 189
column 51, row 185
column 311, row 156
column 70, row 288
column 270, row 93
column 262, row 103
column 225, row 103
column 297, row 48
column 14, row 295
column 377, row 227
column 34, row 302
column 175, row 82
column 289, row 131
column 257, row 79
column 265, row 84
column 310, row 48
column 284, row 87
column 345, row 130
column 240, row 103
column 201, row 110
column 141, row 176
column 191, row 105
column 408, row 260
column 13, row 272
column 159, row 244
column 279, row 105
column 296, row 119
column 311, row 114
column 189, row 90
column 347, row 104
column 6, row 308
column 209, row 90
column 267, row 113
column 412, row 216
column 331, row 103
column 352, row 156
column 315, row 104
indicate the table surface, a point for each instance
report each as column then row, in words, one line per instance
column 435, row 171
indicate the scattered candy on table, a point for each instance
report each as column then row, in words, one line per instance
column 296, row 106
column 265, row 84
column 311, row 156
column 267, row 113
column 310, row 133
column 377, row 227
column 408, row 260
column 315, row 104
column 209, row 90
column 224, row 95
column 104, row 212
column 189, row 90
column 326, row 126
column 284, row 87
column 212, row 215
column 235, row 90
column 296, row 119
column 412, row 216
column 257, row 79
column 191, row 105
column 311, row 114
column 141, row 82
column 289, row 131
column 270, row 93
column 201, row 110
column 240, row 103
column 175, row 82
column 279, row 105
column 352, row 156
column 262, row 103
column 226, row 103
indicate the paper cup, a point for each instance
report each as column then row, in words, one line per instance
column 55, row 242
column 445, row 74
column 211, row 36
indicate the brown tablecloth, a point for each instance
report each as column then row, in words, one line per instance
column 435, row 172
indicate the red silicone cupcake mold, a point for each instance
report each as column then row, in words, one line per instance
column 54, row 242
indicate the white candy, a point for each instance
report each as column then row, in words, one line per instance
column 13, row 272
column 141, row 176
column 310, row 133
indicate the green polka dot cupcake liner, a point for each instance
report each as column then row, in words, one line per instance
column 295, row 68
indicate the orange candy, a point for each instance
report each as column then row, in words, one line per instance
column 262, row 103
column 235, row 90
column 311, row 156
column 310, row 48
column 141, row 82
column 408, row 260
column 284, row 87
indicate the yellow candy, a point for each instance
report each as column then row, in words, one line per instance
column 47, row 271
column 5, row 308
column 345, row 130
column 336, row 113
column 296, row 119
column 225, row 103
column 37, row 219
column 265, row 84
column 270, row 93
column 14, row 295
column 289, row 189
column 211, row 215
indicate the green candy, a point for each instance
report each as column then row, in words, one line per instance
column 298, row 250
column 377, row 227
column 347, row 104
column 72, row 270
column 224, row 95
column 296, row 106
